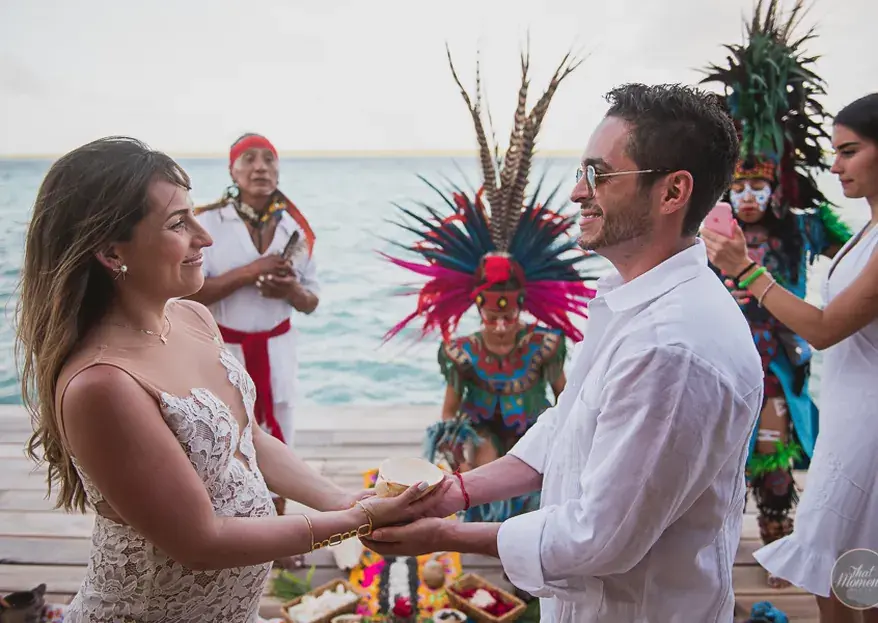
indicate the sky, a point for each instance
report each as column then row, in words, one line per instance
column 189, row 76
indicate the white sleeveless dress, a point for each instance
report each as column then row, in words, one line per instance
column 839, row 507
column 128, row 578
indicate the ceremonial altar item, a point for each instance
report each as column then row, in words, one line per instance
column 449, row 615
column 323, row 604
column 398, row 474
column 484, row 602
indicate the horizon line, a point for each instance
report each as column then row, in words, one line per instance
column 322, row 153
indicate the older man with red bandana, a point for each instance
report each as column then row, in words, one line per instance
column 259, row 270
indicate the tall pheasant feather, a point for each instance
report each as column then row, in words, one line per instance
column 489, row 173
column 505, row 190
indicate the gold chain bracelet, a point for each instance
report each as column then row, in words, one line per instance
column 335, row 539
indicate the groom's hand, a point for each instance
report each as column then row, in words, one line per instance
column 423, row 536
column 448, row 499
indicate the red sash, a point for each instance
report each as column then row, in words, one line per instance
column 258, row 365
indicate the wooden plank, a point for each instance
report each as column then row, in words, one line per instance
column 44, row 551
column 32, row 524
column 34, row 499
column 308, row 417
column 58, row 579
column 20, row 466
column 358, row 451
column 744, row 555
column 75, row 551
column 798, row 608
column 26, row 500
column 392, row 435
column 12, row 451
column 752, row 580
column 17, row 482
column 37, row 482
column 28, row 522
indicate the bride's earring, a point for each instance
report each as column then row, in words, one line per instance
column 121, row 271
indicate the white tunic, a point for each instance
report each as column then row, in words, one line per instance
column 246, row 310
column 839, row 508
column 643, row 457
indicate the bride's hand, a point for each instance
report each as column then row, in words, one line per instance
column 405, row 507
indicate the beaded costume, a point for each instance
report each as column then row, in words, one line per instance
column 506, row 255
column 771, row 93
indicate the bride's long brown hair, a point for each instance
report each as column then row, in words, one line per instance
column 90, row 198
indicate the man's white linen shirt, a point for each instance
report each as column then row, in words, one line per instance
column 643, row 456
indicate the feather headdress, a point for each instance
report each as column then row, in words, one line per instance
column 771, row 92
column 495, row 249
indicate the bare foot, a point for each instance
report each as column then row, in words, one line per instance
column 776, row 582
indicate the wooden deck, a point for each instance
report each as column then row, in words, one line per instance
column 42, row 545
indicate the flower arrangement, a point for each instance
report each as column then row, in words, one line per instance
column 402, row 611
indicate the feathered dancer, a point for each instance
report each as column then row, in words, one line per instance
column 771, row 93
column 506, row 254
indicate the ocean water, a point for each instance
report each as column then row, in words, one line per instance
column 349, row 203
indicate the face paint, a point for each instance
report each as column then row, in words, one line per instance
column 760, row 196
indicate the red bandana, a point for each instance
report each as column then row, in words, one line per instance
column 251, row 142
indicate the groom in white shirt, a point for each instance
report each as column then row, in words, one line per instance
column 641, row 463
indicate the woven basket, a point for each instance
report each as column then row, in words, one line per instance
column 471, row 580
column 327, row 618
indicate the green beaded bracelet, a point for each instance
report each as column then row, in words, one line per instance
column 756, row 274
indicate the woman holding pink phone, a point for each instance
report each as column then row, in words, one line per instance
column 839, row 509
column 772, row 180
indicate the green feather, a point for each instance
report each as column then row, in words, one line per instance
column 783, row 458
column 837, row 231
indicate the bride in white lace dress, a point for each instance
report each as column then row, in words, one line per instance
column 141, row 413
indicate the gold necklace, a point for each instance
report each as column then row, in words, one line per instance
column 162, row 336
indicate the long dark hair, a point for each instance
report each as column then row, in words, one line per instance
column 861, row 116
column 90, row 198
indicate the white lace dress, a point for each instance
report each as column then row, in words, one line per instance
column 130, row 580
column 839, row 508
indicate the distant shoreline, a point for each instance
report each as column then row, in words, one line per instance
column 327, row 154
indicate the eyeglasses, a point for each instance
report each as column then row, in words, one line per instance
column 592, row 176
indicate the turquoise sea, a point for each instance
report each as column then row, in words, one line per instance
column 348, row 202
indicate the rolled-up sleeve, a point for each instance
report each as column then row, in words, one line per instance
column 664, row 429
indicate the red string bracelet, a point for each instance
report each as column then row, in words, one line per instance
column 462, row 488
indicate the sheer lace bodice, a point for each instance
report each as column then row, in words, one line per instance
column 129, row 579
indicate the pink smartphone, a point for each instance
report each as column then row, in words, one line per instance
column 721, row 220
